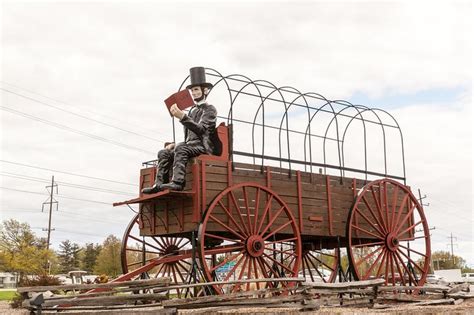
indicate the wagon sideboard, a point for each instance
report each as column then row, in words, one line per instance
column 319, row 203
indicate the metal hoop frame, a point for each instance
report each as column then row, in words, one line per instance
column 360, row 112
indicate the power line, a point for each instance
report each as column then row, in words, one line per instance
column 67, row 213
column 63, row 127
column 66, row 184
column 59, row 196
column 68, row 173
column 87, row 111
column 81, row 116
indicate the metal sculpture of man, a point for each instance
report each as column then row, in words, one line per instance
column 199, row 134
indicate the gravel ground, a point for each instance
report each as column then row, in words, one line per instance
column 467, row 307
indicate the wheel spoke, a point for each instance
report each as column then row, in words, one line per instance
column 412, row 238
column 410, row 275
column 144, row 242
column 246, row 203
column 231, row 272
column 228, row 228
column 379, row 208
column 379, row 270
column 282, row 241
column 229, row 215
column 372, row 213
column 257, row 204
column 405, row 218
column 370, row 222
column 278, row 263
column 372, row 253
column 255, row 270
column 394, row 207
column 223, row 238
column 141, row 251
column 277, row 230
column 226, row 260
column 264, row 215
column 320, row 261
column 368, row 244
column 317, row 270
column 412, row 261
column 400, row 210
column 369, row 271
column 239, row 214
column 409, row 228
column 223, row 249
column 412, row 250
column 367, row 232
column 272, row 220
column 385, row 204
column 399, row 269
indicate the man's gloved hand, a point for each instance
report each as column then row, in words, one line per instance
column 176, row 112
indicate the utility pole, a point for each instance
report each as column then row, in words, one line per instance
column 50, row 202
column 423, row 205
column 452, row 250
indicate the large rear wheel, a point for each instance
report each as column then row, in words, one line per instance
column 388, row 235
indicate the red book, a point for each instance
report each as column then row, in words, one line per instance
column 182, row 98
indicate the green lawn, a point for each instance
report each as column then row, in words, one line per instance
column 7, row 295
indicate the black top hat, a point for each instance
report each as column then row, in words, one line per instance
column 198, row 78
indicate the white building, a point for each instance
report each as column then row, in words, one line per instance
column 8, row 280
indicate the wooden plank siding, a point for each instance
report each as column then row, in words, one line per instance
column 320, row 216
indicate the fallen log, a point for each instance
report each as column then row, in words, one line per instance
column 106, row 300
column 459, row 287
column 414, row 288
column 345, row 285
column 265, row 302
column 156, row 282
column 219, row 298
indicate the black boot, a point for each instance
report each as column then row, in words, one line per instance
column 172, row 186
column 153, row 189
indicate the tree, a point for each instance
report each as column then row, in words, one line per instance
column 444, row 260
column 21, row 251
column 68, row 256
column 90, row 253
column 108, row 260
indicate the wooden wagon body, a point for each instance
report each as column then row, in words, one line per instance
column 319, row 203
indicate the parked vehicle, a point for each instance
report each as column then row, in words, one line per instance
column 468, row 277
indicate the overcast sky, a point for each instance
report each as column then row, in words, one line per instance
column 82, row 85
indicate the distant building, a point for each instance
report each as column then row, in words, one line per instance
column 8, row 280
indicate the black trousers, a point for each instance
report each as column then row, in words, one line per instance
column 178, row 158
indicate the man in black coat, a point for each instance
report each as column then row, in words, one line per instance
column 199, row 134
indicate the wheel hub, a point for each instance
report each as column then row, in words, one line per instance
column 255, row 245
column 170, row 249
column 392, row 242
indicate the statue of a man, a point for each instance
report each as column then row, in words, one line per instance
column 199, row 131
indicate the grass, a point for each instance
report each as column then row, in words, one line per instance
column 7, row 295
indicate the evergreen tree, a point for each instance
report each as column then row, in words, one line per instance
column 68, row 256
column 89, row 258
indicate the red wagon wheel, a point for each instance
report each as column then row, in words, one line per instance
column 319, row 265
column 388, row 235
column 248, row 232
column 138, row 251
